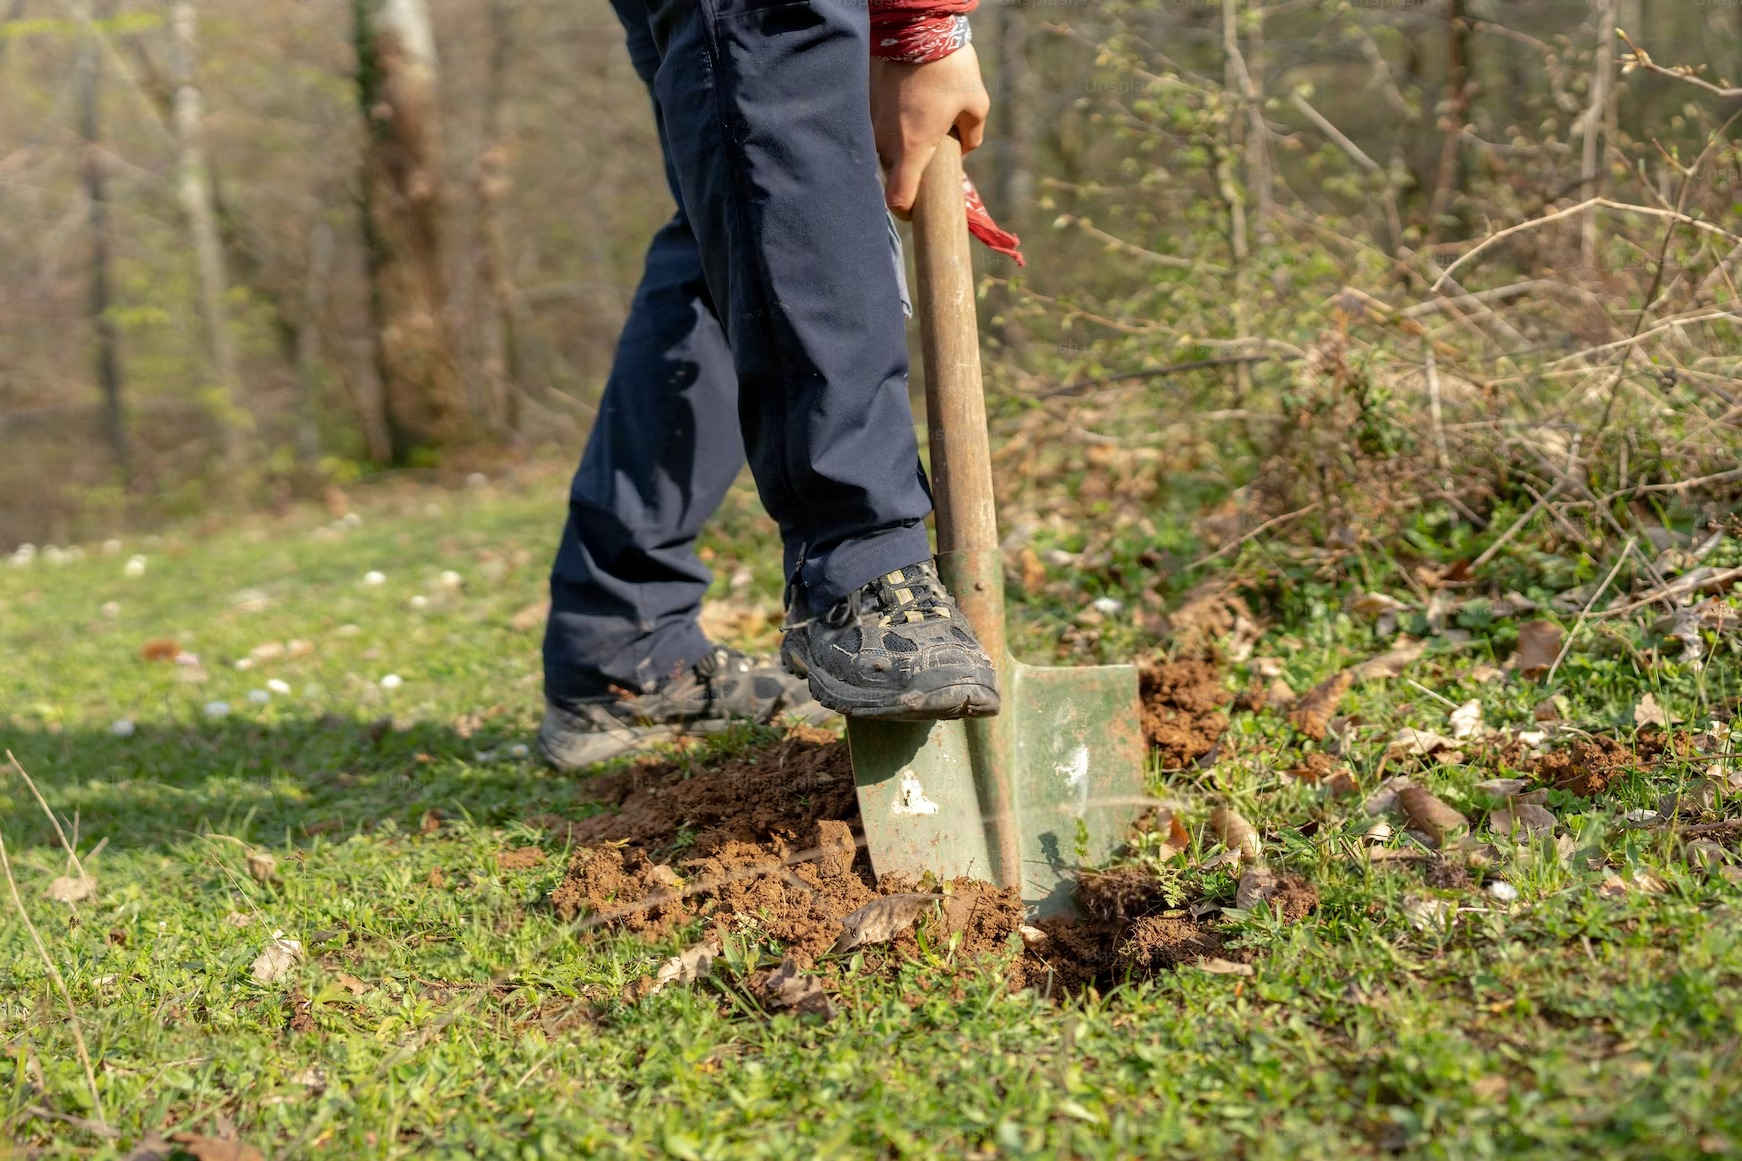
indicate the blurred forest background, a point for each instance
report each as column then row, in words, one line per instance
column 253, row 250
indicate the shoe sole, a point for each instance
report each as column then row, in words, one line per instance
column 962, row 699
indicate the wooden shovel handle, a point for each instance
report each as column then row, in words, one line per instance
column 961, row 459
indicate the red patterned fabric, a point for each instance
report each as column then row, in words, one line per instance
column 918, row 31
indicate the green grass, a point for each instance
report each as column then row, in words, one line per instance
column 1567, row 1021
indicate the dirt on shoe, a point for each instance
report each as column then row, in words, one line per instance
column 1183, row 703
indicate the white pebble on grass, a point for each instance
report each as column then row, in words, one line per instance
column 1503, row 891
column 244, row 663
column 111, row 547
column 135, row 567
column 419, row 602
column 519, row 750
column 111, row 609
column 123, row 728
column 217, row 709
column 277, row 686
column 374, row 577
column 451, row 579
column 1108, row 606
column 259, row 696
column 392, row 681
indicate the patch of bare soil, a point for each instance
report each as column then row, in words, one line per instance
column 768, row 843
column 1182, row 709
column 1590, row 765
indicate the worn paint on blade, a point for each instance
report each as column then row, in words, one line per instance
column 1076, row 771
column 910, row 796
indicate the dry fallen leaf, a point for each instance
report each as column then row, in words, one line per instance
column 1524, row 818
column 1427, row 813
column 1280, row 694
column 1391, row 663
column 160, row 649
column 202, row 1148
column 1234, row 832
column 72, row 888
column 1428, row 914
column 1500, row 787
column 1221, row 967
column 1413, row 743
column 1371, row 605
column 350, row 983
column 1649, row 713
column 279, row 956
column 1384, row 799
column 1467, row 719
column 882, row 919
column 1313, row 713
column 788, row 989
column 1539, row 645
column 262, row 867
column 687, row 966
column 529, row 617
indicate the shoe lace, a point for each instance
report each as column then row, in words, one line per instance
column 911, row 595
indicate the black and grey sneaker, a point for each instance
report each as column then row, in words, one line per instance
column 724, row 687
column 897, row 649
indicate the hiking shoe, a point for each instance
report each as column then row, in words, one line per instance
column 897, row 649
column 724, row 687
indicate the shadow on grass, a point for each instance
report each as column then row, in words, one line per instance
column 283, row 783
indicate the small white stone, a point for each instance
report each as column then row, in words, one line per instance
column 123, row 728
column 372, row 577
column 392, row 681
column 1503, row 891
column 111, row 547
column 519, row 750
column 217, row 709
column 111, row 609
column 53, row 555
column 1108, row 606
column 279, row 687
column 244, row 663
column 135, row 567
column 419, row 602
column 259, row 696
column 451, row 579
column 353, row 520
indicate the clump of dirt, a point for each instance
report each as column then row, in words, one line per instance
column 768, row 843
column 1450, row 874
column 1182, row 709
column 1590, row 765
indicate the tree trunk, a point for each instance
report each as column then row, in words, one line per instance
column 196, row 198
column 1449, row 180
column 402, row 208
column 498, row 330
column 1598, row 128
column 108, row 354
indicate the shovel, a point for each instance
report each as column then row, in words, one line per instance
column 1054, row 781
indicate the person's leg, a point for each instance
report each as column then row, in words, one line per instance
column 768, row 121
column 627, row 586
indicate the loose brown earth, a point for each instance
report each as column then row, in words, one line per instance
column 1182, row 709
column 768, row 844
column 1590, row 765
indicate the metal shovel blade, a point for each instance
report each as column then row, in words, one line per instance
column 1067, row 750
column 1055, row 779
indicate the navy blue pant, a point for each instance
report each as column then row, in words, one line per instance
column 767, row 327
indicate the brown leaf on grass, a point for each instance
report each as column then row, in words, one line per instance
column 529, row 617
column 1427, row 813
column 262, row 867
column 1207, row 613
column 436, row 878
column 278, row 957
column 202, row 1148
column 1312, row 715
column 1217, row 966
column 350, row 983
column 1392, row 662
column 72, row 888
column 883, row 919
column 786, row 988
column 687, row 966
column 160, row 649
column 1234, row 832
column 1033, row 571
column 1649, row 713
column 1413, row 743
column 1280, row 694
column 1539, row 645
column 1525, row 818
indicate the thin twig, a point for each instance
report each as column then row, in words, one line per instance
column 40, row 801
column 1268, row 524
column 1570, row 211
column 1566, row 648
column 1155, row 373
column 1517, row 527
column 60, row 983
